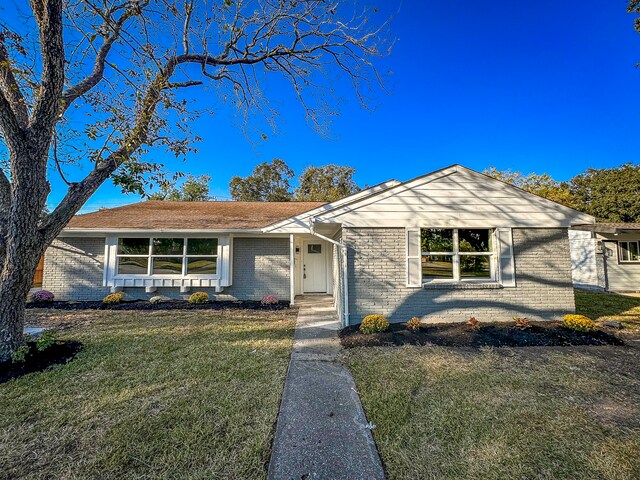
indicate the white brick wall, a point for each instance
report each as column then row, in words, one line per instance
column 260, row 266
column 73, row 270
column 377, row 281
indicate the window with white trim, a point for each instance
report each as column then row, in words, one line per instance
column 167, row 256
column 628, row 252
column 458, row 254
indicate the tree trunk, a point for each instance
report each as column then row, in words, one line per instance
column 24, row 243
column 15, row 282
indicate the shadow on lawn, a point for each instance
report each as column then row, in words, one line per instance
column 59, row 353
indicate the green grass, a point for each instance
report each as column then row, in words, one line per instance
column 543, row 413
column 152, row 395
column 609, row 306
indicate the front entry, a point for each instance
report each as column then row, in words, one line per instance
column 314, row 267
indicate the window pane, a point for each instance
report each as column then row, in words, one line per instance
column 167, row 265
column 633, row 251
column 202, row 246
column 133, row 246
column 168, row 246
column 314, row 248
column 202, row 266
column 133, row 265
column 475, row 240
column 624, row 251
column 437, row 266
column 437, row 240
column 475, row 266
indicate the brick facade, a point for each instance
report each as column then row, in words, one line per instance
column 74, row 266
column 260, row 266
column 377, row 281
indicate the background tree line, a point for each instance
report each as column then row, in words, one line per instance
column 269, row 182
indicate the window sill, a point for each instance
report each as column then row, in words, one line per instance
column 462, row 286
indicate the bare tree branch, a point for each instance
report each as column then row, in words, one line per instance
column 9, row 86
column 73, row 93
column 48, row 14
column 188, row 10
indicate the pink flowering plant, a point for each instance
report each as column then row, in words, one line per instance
column 269, row 300
column 42, row 296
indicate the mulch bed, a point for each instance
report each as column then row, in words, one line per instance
column 165, row 305
column 550, row 334
column 59, row 353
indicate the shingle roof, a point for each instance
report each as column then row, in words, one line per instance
column 608, row 226
column 156, row 214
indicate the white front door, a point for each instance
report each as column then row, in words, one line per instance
column 314, row 267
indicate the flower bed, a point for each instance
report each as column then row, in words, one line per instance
column 486, row 334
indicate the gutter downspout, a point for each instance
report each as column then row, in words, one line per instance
column 345, row 275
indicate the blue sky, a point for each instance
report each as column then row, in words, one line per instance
column 541, row 86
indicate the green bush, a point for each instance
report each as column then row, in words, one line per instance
column 374, row 324
column 198, row 298
column 113, row 299
column 45, row 340
column 20, row 355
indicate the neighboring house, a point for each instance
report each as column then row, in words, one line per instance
column 606, row 256
column 445, row 246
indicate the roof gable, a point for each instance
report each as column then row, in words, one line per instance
column 454, row 196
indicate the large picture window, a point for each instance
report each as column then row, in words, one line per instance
column 167, row 256
column 457, row 254
column 629, row 252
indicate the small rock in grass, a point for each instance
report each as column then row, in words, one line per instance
column 612, row 324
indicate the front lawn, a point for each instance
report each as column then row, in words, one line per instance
column 566, row 412
column 508, row 413
column 609, row 306
column 151, row 395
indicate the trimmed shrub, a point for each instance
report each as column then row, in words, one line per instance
column 579, row 323
column 113, row 298
column 413, row 324
column 42, row 296
column 269, row 300
column 198, row 298
column 374, row 324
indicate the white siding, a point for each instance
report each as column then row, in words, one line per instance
column 454, row 197
column 621, row 276
column 584, row 270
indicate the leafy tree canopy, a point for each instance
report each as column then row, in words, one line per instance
column 609, row 194
column 326, row 183
column 269, row 182
column 193, row 189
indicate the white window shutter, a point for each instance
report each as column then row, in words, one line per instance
column 414, row 256
column 506, row 262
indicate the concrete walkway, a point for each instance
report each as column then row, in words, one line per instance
column 322, row 432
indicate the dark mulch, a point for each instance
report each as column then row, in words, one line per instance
column 59, row 353
column 166, row 305
column 549, row 334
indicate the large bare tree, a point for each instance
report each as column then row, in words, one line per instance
column 102, row 82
